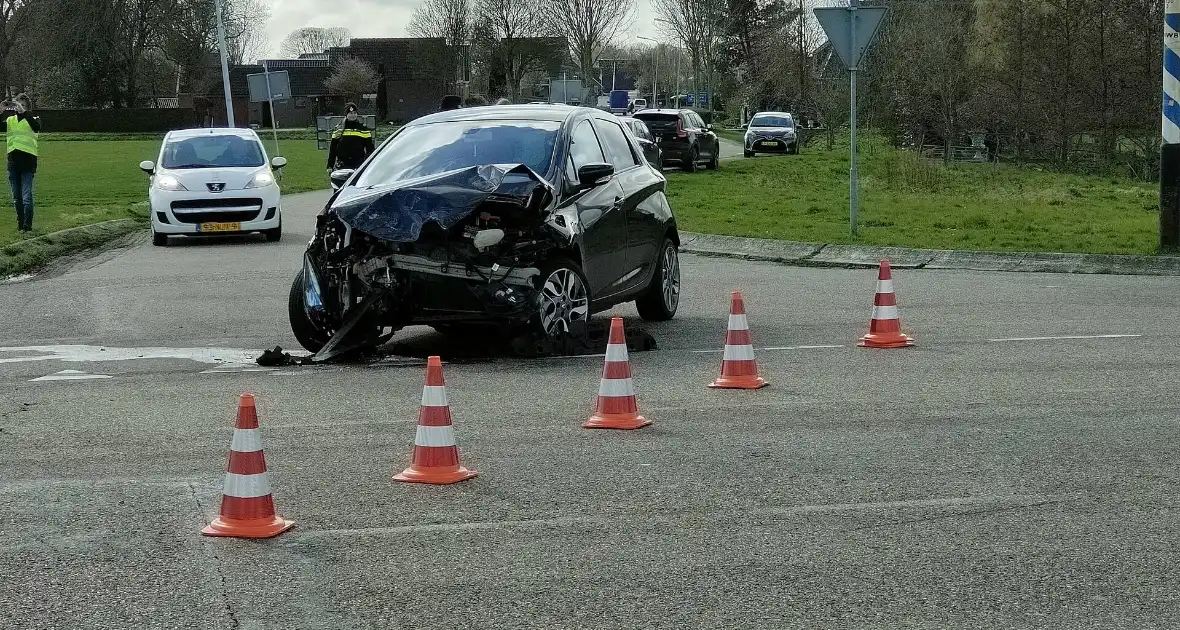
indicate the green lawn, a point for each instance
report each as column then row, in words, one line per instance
column 905, row 201
column 915, row 203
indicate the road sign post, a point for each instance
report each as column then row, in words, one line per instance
column 267, row 87
column 850, row 30
column 1170, row 131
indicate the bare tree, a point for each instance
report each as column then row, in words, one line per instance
column 507, row 33
column 245, row 31
column 587, row 26
column 698, row 25
column 449, row 20
column 314, row 40
column 352, row 78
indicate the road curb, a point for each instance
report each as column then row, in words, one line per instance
column 866, row 256
column 22, row 256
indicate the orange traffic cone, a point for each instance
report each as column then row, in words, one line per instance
column 247, row 507
column 885, row 326
column 616, row 407
column 436, row 458
column 739, row 369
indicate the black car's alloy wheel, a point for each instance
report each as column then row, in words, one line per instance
column 309, row 336
column 662, row 299
column 564, row 304
column 691, row 159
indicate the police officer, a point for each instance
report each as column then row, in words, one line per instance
column 352, row 142
column 21, row 128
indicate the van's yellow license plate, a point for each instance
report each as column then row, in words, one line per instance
column 220, row 227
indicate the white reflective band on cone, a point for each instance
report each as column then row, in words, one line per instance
column 246, row 486
column 434, row 396
column 435, row 436
column 739, row 353
column 738, row 322
column 616, row 387
column 246, row 441
column 884, row 312
column 616, row 352
column 885, row 286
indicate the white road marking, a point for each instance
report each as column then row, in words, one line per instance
column 234, row 368
column 1064, row 337
column 767, row 348
column 95, row 354
column 69, row 375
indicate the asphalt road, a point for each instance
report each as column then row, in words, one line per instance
column 1016, row 469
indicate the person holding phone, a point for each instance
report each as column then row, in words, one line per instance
column 22, row 127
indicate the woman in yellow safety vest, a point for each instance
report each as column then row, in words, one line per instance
column 21, row 128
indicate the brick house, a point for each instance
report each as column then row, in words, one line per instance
column 413, row 73
column 309, row 95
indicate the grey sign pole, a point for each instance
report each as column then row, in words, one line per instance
column 853, row 176
column 850, row 30
column 270, row 99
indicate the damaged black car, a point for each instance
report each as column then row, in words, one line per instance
column 489, row 221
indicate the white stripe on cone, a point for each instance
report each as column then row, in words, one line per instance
column 738, row 322
column 246, row 486
column 885, row 286
column 616, row 352
column 884, row 312
column 434, row 396
column 435, row 436
column 739, row 353
column 616, row 388
column 246, row 441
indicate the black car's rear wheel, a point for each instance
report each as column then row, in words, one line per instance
column 690, row 159
column 712, row 163
column 564, row 304
column 662, row 298
column 306, row 332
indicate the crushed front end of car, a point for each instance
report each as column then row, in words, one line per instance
column 462, row 249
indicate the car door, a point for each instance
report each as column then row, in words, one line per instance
column 600, row 213
column 709, row 142
column 639, row 184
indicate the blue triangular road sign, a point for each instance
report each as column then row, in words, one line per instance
column 836, row 22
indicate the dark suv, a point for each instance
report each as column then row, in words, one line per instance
column 683, row 137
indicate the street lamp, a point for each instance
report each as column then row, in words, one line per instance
column 229, row 97
column 655, row 53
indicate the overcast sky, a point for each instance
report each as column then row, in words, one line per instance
column 375, row 18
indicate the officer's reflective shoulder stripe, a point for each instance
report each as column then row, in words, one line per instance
column 357, row 133
column 336, row 134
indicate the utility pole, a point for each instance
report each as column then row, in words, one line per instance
column 802, row 58
column 229, row 97
column 1170, row 121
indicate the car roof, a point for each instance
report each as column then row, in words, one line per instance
column 549, row 112
column 180, row 134
column 661, row 111
column 783, row 114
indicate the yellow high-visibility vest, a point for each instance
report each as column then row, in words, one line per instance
column 21, row 136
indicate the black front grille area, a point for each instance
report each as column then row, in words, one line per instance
column 219, row 202
column 216, row 216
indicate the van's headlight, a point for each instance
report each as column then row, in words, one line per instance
column 262, row 180
column 169, row 182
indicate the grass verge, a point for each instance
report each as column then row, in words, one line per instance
column 22, row 256
column 909, row 202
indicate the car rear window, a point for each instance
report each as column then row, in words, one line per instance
column 659, row 121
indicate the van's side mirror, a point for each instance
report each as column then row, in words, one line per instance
column 278, row 162
column 148, row 167
column 339, row 177
column 591, row 175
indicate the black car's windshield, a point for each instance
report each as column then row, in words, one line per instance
column 430, row 149
column 221, row 151
column 772, row 121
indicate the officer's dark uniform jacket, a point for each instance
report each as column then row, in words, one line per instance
column 352, row 142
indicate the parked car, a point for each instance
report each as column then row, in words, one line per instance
column 213, row 182
column 771, row 132
column 489, row 220
column 683, row 137
column 643, row 135
column 638, row 104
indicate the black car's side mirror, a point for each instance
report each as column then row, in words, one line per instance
column 591, row 175
column 339, row 177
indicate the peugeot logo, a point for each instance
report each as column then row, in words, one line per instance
column 216, row 187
